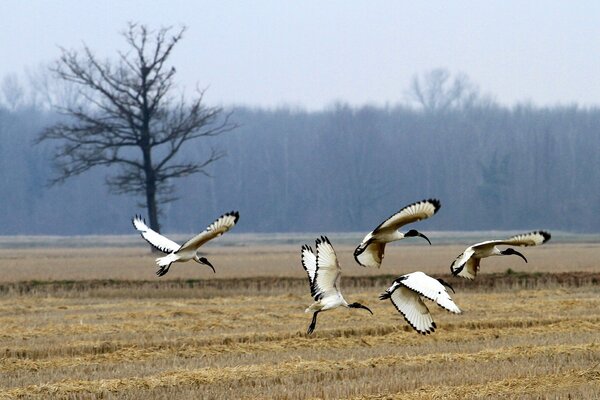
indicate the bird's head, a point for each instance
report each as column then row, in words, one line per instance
column 358, row 305
column 203, row 260
column 414, row 233
column 511, row 252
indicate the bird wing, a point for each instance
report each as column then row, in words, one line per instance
column 157, row 240
column 369, row 254
column 414, row 212
column 412, row 308
column 430, row 288
column 528, row 239
column 328, row 270
column 309, row 262
column 221, row 225
column 466, row 265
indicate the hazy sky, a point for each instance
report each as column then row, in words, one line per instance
column 312, row 53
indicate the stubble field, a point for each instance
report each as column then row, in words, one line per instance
column 94, row 322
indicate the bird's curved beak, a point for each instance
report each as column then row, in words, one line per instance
column 520, row 255
column 365, row 307
column 511, row 251
column 203, row 260
column 424, row 237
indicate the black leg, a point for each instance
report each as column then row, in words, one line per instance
column 312, row 325
column 163, row 270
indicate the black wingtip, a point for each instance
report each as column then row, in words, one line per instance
column 232, row 213
column 322, row 239
column 546, row 236
column 384, row 296
column 139, row 217
column 436, row 204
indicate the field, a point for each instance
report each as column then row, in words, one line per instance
column 94, row 322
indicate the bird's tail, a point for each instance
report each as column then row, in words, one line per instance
column 167, row 260
column 316, row 306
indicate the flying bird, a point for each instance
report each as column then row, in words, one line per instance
column 187, row 251
column 407, row 293
column 466, row 265
column 324, row 274
column 370, row 252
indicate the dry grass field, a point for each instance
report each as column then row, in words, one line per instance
column 94, row 322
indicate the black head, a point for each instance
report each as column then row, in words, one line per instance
column 414, row 233
column 358, row 305
column 511, row 251
column 203, row 260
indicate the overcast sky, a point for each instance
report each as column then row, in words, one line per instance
column 313, row 53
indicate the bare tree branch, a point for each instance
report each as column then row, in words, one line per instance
column 129, row 119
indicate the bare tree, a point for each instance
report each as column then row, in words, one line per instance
column 436, row 90
column 12, row 92
column 131, row 119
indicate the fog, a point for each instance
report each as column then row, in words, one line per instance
column 340, row 122
column 340, row 169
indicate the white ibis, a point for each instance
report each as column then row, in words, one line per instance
column 370, row 252
column 407, row 293
column 324, row 273
column 187, row 251
column 466, row 265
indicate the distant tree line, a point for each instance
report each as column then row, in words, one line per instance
column 340, row 169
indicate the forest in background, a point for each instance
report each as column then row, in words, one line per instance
column 343, row 168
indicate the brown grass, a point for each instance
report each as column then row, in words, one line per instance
column 522, row 335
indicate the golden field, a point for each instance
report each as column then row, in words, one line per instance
column 94, row 322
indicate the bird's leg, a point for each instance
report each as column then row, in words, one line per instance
column 312, row 325
column 163, row 270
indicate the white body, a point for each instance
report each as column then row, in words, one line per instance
column 407, row 293
column 466, row 265
column 187, row 251
column 370, row 251
column 324, row 274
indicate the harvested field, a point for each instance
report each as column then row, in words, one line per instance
column 531, row 333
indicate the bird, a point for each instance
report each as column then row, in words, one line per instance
column 188, row 250
column 324, row 274
column 466, row 264
column 369, row 252
column 407, row 293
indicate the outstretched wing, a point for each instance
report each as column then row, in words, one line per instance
column 414, row 212
column 309, row 262
column 328, row 269
column 157, row 240
column 535, row 238
column 412, row 308
column 221, row 225
column 370, row 253
column 430, row 288
column 406, row 294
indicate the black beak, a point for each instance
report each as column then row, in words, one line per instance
column 358, row 305
column 203, row 260
column 425, row 237
column 366, row 308
column 510, row 251
column 520, row 255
